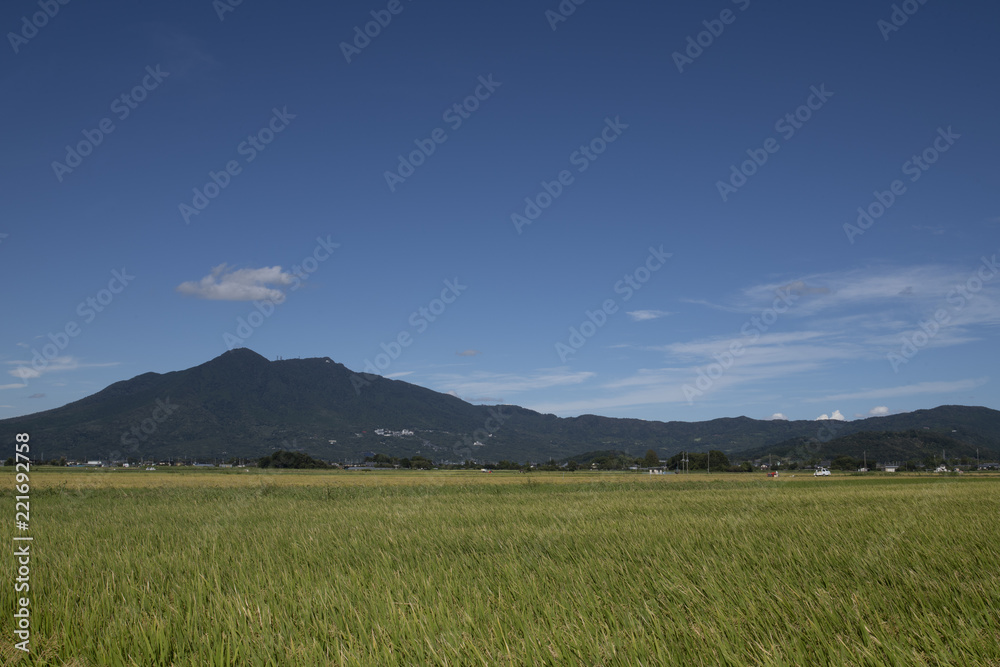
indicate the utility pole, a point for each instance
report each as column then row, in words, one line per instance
column 708, row 460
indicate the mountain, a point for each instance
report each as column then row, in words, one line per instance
column 241, row 404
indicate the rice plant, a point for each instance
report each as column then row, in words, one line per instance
column 459, row 568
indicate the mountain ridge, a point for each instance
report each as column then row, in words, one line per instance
column 240, row 404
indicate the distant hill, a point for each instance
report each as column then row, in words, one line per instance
column 243, row 405
column 883, row 446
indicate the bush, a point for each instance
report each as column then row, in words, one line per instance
column 283, row 459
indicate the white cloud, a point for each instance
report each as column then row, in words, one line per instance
column 767, row 356
column 835, row 320
column 778, row 416
column 879, row 411
column 910, row 390
column 648, row 396
column 771, row 356
column 26, row 370
column 225, row 284
column 643, row 315
column 499, row 384
column 763, row 349
column 858, row 315
column 836, row 416
column 915, row 290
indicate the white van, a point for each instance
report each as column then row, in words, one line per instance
column 821, row 472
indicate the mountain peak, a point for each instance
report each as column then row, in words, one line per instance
column 241, row 353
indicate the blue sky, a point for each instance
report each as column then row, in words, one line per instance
column 691, row 200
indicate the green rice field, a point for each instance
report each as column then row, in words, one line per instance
column 233, row 567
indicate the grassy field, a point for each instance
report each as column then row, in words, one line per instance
column 460, row 568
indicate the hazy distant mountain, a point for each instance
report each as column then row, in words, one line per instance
column 241, row 404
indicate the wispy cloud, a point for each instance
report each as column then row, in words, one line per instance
column 226, row 284
column 652, row 395
column 468, row 353
column 643, row 315
column 478, row 399
column 909, row 390
column 496, row 384
column 25, row 370
column 836, row 319
column 771, row 356
column 910, row 288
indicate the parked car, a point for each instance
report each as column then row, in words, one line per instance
column 821, row 472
